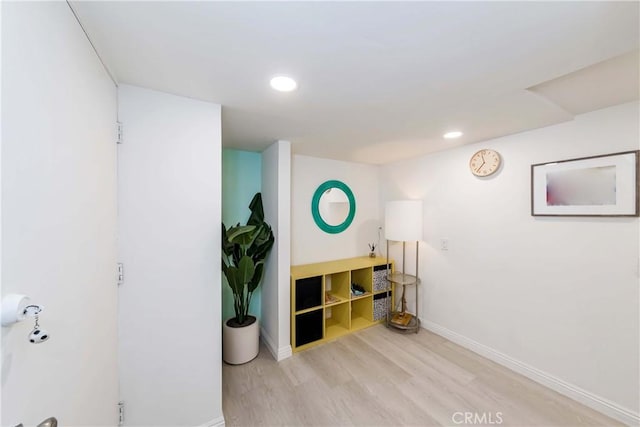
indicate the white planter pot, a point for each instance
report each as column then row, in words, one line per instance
column 240, row 345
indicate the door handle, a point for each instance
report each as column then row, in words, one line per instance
column 49, row 422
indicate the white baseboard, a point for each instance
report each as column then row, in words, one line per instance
column 278, row 353
column 217, row 422
column 284, row 353
column 574, row 392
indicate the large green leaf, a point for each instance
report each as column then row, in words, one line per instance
column 262, row 244
column 257, row 212
column 233, row 278
column 257, row 277
column 241, row 235
column 246, row 270
column 237, row 254
column 227, row 246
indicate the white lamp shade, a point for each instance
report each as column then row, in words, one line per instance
column 403, row 220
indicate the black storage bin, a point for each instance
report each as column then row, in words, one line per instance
column 308, row 293
column 309, row 327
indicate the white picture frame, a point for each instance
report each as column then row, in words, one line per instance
column 605, row 185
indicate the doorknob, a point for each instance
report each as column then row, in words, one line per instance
column 49, row 422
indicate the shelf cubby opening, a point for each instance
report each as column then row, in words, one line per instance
column 337, row 321
column 363, row 277
column 338, row 285
column 362, row 313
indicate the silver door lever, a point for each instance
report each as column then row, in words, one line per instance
column 49, row 422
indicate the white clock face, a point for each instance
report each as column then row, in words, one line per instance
column 484, row 162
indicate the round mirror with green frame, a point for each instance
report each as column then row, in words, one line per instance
column 333, row 206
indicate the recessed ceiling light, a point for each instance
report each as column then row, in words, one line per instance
column 452, row 134
column 283, row 83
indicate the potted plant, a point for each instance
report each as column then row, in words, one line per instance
column 244, row 251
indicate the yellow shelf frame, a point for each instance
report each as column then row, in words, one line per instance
column 340, row 301
column 348, row 314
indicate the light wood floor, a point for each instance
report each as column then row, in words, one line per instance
column 377, row 377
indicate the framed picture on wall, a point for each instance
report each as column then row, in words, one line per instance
column 605, row 185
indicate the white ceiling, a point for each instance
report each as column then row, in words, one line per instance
column 378, row 82
column 601, row 85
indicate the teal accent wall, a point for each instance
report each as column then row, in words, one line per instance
column 241, row 180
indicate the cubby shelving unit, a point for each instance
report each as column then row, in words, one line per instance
column 322, row 305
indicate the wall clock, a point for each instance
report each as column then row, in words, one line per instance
column 485, row 162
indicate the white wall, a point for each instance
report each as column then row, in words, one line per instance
column 309, row 243
column 1, row 295
column 169, row 197
column 59, row 219
column 276, row 197
column 557, row 295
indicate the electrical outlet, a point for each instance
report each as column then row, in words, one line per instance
column 444, row 244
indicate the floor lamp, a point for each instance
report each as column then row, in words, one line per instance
column 403, row 223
